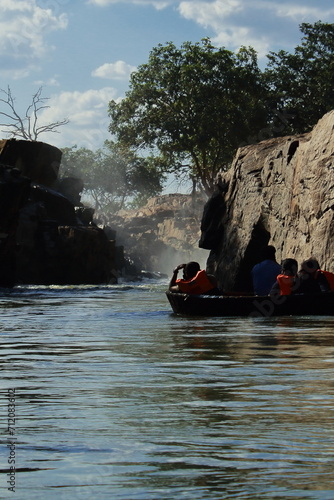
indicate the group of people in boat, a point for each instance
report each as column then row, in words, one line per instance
column 269, row 278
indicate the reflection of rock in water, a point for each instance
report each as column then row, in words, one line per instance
column 44, row 239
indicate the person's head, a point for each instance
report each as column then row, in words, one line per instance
column 310, row 266
column 268, row 253
column 191, row 269
column 290, row 267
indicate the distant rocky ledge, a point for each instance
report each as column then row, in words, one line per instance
column 164, row 232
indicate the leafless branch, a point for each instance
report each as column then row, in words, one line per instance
column 27, row 127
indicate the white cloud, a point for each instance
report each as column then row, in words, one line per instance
column 51, row 82
column 24, row 27
column 210, row 14
column 256, row 23
column 118, row 70
column 224, row 18
column 237, row 37
column 157, row 4
column 88, row 118
column 301, row 13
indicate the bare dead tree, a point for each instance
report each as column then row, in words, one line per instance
column 26, row 127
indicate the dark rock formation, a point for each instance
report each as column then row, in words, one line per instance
column 14, row 193
column 46, row 235
column 38, row 161
column 281, row 192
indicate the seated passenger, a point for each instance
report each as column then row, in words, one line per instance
column 264, row 274
column 286, row 281
column 329, row 278
column 195, row 281
column 311, row 280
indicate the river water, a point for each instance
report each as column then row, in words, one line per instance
column 106, row 394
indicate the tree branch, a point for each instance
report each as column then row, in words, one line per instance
column 27, row 127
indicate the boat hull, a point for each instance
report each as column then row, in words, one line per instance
column 253, row 306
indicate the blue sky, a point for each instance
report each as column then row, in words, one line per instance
column 82, row 52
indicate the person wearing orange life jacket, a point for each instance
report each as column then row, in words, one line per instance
column 195, row 281
column 286, row 281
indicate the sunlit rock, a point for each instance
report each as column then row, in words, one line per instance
column 280, row 192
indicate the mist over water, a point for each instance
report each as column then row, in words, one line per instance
column 118, row 398
column 169, row 259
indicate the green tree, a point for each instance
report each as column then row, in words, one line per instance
column 191, row 107
column 302, row 83
column 113, row 176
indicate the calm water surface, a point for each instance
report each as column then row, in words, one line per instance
column 117, row 398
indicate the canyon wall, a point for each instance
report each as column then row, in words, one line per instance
column 280, row 192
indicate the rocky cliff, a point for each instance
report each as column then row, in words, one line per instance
column 280, row 192
column 162, row 234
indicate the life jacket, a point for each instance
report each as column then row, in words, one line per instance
column 285, row 284
column 329, row 277
column 198, row 285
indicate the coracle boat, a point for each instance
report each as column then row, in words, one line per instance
column 252, row 305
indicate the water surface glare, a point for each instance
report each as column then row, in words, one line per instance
column 118, row 398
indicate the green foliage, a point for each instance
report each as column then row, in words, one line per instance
column 113, row 176
column 302, row 83
column 193, row 106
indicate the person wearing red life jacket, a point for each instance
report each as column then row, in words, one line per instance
column 286, row 281
column 195, row 281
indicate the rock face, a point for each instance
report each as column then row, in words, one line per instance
column 162, row 234
column 280, row 192
column 46, row 235
column 36, row 160
column 14, row 193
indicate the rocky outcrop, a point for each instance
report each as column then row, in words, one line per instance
column 14, row 193
column 38, row 161
column 46, row 235
column 280, row 192
column 160, row 235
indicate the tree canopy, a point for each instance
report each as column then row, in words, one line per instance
column 303, row 82
column 192, row 107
